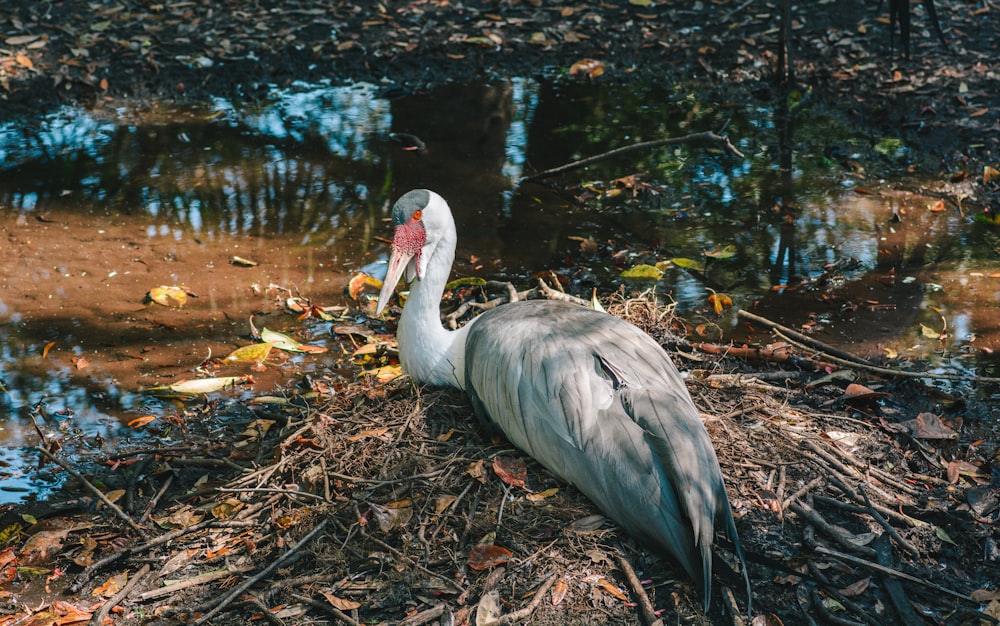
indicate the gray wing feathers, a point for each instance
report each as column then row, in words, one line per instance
column 600, row 404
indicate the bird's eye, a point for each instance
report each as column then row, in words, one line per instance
column 418, row 214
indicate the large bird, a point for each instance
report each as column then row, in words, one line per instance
column 588, row 395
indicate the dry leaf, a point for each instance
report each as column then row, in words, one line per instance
column 41, row 546
column 393, row 515
column 857, row 588
column 591, row 67
column 488, row 610
column 541, row 495
column 139, row 422
column 511, row 470
column 112, row 585
column 358, row 283
column 169, row 295
column 477, row 469
column 559, row 591
column 485, row 556
column 254, row 353
column 990, row 174
column 241, row 262
column 340, row 603
column 855, row 391
column 385, row 373
column 371, row 432
column 198, row 386
column 45, row 350
column 442, row 503
column 613, row 589
column 720, row 302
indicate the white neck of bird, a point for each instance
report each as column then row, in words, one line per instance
column 429, row 352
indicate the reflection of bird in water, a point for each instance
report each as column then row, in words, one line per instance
column 588, row 395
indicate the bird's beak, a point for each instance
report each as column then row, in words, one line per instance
column 398, row 261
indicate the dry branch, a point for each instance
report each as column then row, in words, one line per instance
column 694, row 138
column 526, row 612
column 648, row 612
column 90, row 487
column 99, row 618
column 225, row 601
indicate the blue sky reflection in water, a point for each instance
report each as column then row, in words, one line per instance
column 100, row 206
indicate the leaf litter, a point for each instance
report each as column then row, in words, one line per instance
column 412, row 520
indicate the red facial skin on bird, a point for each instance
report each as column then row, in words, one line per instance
column 410, row 239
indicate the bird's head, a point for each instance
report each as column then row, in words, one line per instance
column 422, row 220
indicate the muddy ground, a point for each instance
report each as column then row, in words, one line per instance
column 388, row 474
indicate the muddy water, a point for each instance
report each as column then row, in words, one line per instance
column 97, row 207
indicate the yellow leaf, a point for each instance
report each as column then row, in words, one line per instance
column 169, row 296
column 541, row 495
column 720, row 302
column 990, row 174
column 45, row 350
column 385, row 373
column 282, row 341
column 253, row 353
column 469, row 281
column 197, row 386
column 643, row 272
column 929, row 332
column 24, row 62
column 114, row 495
column 227, row 508
column 359, row 281
column 727, row 252
column 688, row 264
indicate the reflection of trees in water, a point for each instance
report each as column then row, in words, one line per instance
column 214, row 179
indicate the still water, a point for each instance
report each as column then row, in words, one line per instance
column 99, row 206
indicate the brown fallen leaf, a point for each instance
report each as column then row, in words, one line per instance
column 111, row 586
column 340, row 603
column 371, row 432
column 139, row 422
column 613, row 589
column 591, row 67
column 41, row 546
column 511, row 470
column 855, row 391
column 857, row 588
column 559, row 591
column 393, row 515
column 485, row 556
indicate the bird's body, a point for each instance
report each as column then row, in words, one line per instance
column 589, row 396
